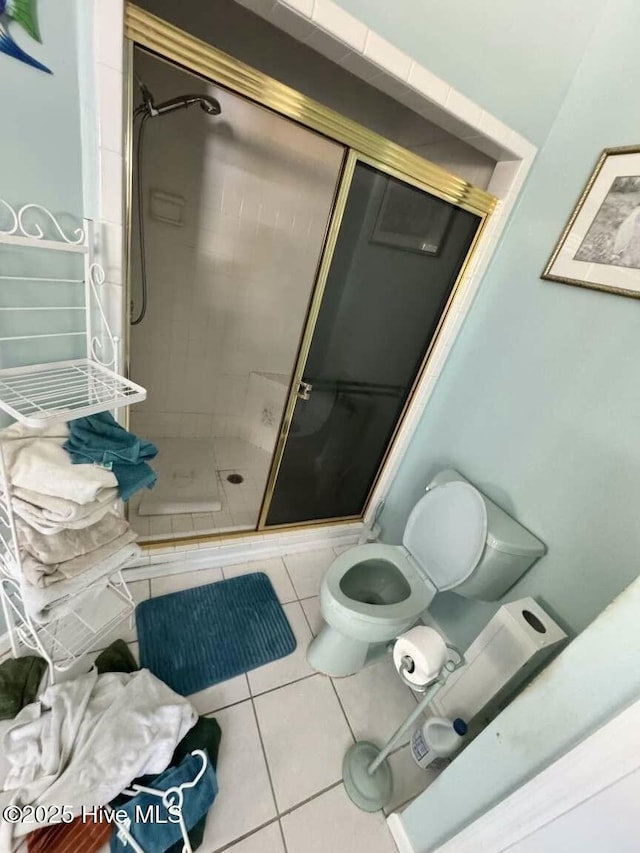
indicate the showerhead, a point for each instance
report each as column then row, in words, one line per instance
column 208, row 104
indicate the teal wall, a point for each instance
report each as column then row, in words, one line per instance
column 40, row 149
column 518, row 60
column 514, row 57
column 41, row 163
column 538, row 402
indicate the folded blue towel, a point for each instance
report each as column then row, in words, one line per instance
column 100, row 439
column 163, row 831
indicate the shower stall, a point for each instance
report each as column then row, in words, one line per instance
column 286, row 289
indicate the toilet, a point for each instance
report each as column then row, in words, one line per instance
column 455, row 539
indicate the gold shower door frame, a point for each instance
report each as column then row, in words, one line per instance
column 361, row 145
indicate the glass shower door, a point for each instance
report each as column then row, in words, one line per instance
column 391, row 264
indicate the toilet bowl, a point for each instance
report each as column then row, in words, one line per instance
column 455, row 539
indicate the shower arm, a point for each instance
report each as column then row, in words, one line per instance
column 208, row 104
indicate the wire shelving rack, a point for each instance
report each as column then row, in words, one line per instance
column 40, row 394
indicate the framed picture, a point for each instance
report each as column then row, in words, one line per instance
column 600, row 246
column 411, row 219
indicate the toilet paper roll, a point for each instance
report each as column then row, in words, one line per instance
column 427, row 650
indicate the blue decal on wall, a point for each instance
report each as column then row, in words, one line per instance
column 24, row 13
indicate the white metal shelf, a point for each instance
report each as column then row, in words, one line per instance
column 64, row 390
column 25, row 229
column 60, row 390
column 66, row 640
column 51, row 245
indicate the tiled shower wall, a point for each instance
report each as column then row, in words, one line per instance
column 228, row 288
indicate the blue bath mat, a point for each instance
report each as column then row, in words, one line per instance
column 202, row 636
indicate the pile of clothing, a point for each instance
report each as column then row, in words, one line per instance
column 85, row 744
column 65, row 482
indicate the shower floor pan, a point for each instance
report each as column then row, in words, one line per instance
column 187, row 479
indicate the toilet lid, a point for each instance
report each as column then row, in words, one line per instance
column 446, row 533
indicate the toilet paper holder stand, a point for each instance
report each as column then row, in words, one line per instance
column 454, row 661
column 365, row 770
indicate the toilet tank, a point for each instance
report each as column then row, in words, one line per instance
column 509, row 551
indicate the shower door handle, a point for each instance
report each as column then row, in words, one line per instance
column 304, row 390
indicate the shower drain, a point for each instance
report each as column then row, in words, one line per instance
column 236, row 479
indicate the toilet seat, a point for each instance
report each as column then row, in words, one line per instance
column 446, row 533
column 422, row 591
column 443, row 542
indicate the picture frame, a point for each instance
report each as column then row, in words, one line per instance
column 600, row 245
column 411, row 220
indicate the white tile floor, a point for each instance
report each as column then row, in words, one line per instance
column 240, row 502
column 285, row 729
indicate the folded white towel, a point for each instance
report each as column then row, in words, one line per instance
column 69, row 544
column 35, row 460
column 63, row 594
column 41, row 575
column 49, row 514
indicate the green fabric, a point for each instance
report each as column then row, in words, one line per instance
column 20, row 680
column 206, row 734
column 116, row 658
